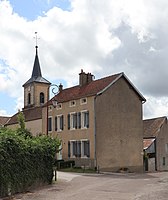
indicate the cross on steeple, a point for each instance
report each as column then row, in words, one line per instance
column 36, row 39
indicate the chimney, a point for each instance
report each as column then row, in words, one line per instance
column 60, row 87
column 89, row 77
column 82, row 78
column 85, row 78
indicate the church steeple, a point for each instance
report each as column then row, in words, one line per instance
column 36, row 68
column 36, row 88
column 36, row 73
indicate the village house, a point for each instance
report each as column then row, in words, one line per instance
column 99, row 122
column 156, row 144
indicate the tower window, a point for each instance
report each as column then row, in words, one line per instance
column 29, row 98
column 41, row 97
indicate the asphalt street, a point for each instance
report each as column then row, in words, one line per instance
column 106, row 186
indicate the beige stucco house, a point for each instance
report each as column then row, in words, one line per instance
column 99, row 122
column 156, row 144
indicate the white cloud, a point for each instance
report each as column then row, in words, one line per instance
column 102, row 37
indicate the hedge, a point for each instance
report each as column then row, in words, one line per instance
column 25, row 162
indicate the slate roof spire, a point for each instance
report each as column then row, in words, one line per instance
column 36, row 73
column 36, row 68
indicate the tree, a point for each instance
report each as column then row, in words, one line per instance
column 22, row 127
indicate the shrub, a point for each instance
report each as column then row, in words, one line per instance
column 25, row 161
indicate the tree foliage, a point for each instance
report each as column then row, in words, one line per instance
column 25, row 161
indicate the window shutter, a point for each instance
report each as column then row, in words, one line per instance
column 55, row 123
column 79, row 120
column 69, row 149
column 62, row 122
column 75, row 118
column 87, row 118
column 75, row 148
column 68, row 121
column 79, row 149
column 88, row 149
column 49, row 124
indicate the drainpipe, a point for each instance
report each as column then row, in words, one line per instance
column 155, row 154
column 95, row 155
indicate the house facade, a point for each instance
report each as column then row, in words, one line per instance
column 156, row 144
column 99, row 122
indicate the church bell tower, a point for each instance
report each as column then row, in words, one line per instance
column 36, row 88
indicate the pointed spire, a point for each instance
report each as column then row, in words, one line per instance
column 36, row 68
column 36, row 73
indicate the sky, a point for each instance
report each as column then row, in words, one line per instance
column 100, row 37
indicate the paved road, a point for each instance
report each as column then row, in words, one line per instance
column 152, row 186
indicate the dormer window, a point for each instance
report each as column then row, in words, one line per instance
column 41, row 98
column 72, row 103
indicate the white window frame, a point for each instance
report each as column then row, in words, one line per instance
column 72, row 103
column 83, row 122
column 59, row 106
column 166, row 148
column 82, row 101
column 72, row 155
column 72, row 120
column 71, row 149
column 59, row 123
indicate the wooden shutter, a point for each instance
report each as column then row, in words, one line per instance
column 79, row 149
column 79, row 120
column 62, row 122
column 87, row 119
column 69, row 149
column 75, row 118
column 68, row 121
column 56, row 123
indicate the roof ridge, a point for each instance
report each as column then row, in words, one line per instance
column 155, row 118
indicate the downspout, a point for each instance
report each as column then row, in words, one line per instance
column 95, row 131
column 95, row 153
column 155, row 154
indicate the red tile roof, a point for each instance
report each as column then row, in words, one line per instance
column 91, row 89
column 147, row 143
column 29, row 114
column 3, row 120
column 152, row 126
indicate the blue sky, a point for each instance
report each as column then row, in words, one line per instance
column 100, row 37
column 31, row 9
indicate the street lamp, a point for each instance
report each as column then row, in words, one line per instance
column 55, row 90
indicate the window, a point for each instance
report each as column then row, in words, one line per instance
column 72, row 103
column 50, row 124
column 72, row 121
column 41, row 98
column 164, row 161
column 59, row 106
column 59, row 123
column 85, row 119
column 78, row 120
column 79, row 148
column 83, row 101
column 85, row 149
column 29, row 98
column 166, row 148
